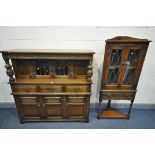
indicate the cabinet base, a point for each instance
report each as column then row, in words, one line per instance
column 53, row 120
column 112, row 113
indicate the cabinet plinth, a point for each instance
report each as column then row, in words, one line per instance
column 123, row 61
column 50, row 85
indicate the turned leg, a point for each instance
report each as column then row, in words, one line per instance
column 90, row 71
column 21, row 122
column 100, row 105
column 9, row 70
column 87, row 119
column 130, row 108
column 109, row 104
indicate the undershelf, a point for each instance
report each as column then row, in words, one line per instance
column 112, row 113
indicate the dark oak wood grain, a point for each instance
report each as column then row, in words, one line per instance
column 50, row 85
column 123, row 61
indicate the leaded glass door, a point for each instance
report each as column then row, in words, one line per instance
column 131, row 69
column 115, row 58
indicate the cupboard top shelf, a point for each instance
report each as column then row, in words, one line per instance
column 54, row 51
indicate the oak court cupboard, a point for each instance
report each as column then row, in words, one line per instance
column 50, row 85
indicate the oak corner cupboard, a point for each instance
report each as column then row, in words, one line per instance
column 123, row 60
column 50, row 85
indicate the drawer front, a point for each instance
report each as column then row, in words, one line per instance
column 118, row 96
column 76, row 88
column 50, row 100
column 28, row 100
column 37, row 88
column 50, row 88
column 24, row 88
column 76, row 99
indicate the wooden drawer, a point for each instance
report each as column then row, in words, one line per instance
column 28, row 100
column 76, row 88
column 76, row 99
column 49, row 88
column 52, row 99
column 118, row 96
column 37, row 88
column 24, row 88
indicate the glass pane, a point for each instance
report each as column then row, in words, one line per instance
column 130, row 66
column 133, row 57
column 115, row 60
column 129, row 76
column 42, row 68
column 61, row 68
column 116, row 57
column 113, row 75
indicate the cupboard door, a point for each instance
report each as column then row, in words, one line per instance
column 76, row 107
column 132, row 66
column 115, row 56
column 53, row 107
column 30, row 107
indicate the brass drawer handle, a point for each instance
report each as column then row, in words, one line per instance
column 38, row 105
column 44, row 105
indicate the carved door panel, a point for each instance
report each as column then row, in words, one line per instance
column 76, row 107
column 53, row 107
column 30, row 107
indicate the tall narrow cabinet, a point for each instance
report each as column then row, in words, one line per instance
column 50, row 85
column 123, row 61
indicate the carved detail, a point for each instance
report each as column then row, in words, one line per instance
column 118, row 96
column 9, row 70
column 64, row 104
column 90, row 71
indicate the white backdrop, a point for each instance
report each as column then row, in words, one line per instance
column 92, row 38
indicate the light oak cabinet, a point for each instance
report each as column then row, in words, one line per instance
column 50, row 85
column 123, row 61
